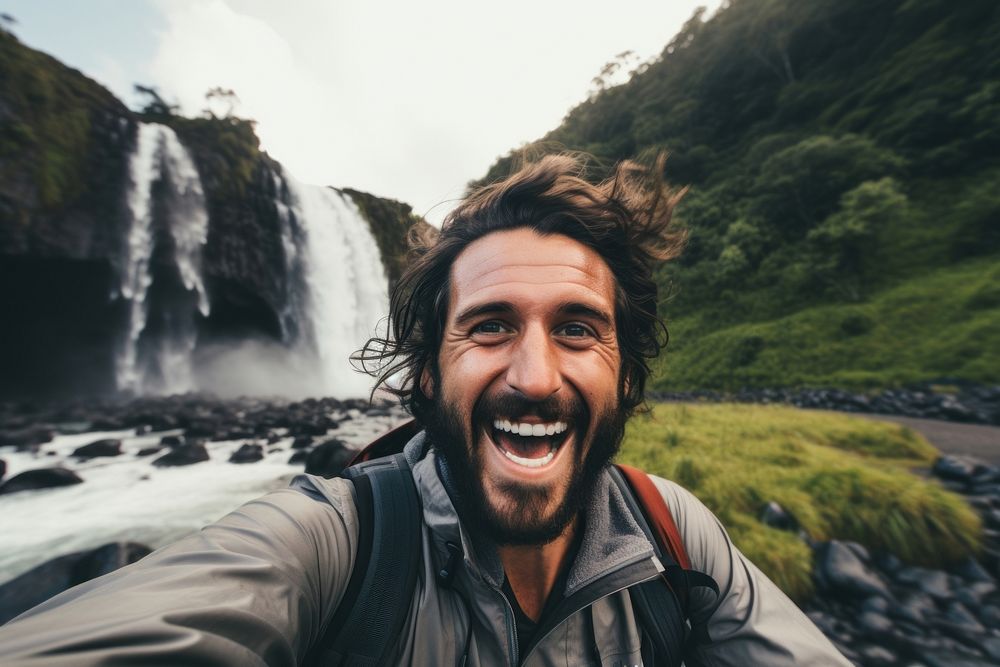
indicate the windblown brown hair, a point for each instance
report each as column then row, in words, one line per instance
column 626, row 219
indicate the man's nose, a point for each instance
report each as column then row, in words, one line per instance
column 534, row 366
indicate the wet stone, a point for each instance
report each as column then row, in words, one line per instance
column 107, row 447
column 841, row 570
column 247, row 453
column 877, row 656
column 873, row 623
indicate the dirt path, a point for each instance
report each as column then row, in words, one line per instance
column 983, row 442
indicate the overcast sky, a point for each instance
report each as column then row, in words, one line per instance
column 408, row 100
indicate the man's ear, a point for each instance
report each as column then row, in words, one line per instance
column 427, row 383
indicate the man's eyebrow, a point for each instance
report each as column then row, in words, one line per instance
column 577, row 308
column 491, row 308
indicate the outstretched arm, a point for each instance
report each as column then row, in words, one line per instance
column 255, row 588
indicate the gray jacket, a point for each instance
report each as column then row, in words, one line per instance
column 259, row 586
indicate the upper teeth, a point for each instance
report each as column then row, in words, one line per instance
column 523, row 428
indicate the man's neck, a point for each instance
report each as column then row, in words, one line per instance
column 532, row 570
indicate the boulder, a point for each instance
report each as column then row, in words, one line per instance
column 329, row 458
column 247, row 453
column 42, row 478
column 148, row 451
column 172, row 440
column 302, row 441
column 56, row 575
column 107, row 447
column 839, row 570
column 956, row 468
column 299, row 456
column 776, row 516
column 183, row 456
column 26, row 438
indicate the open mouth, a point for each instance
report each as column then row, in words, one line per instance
column 529, row 445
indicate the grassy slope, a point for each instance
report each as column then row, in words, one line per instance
column 841, row 477
column 945, row 323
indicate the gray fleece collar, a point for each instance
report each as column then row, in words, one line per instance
column 612, row 538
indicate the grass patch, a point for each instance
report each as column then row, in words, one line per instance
column 945, row 323
column 842, row 477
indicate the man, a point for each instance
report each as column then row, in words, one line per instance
column 522, row 333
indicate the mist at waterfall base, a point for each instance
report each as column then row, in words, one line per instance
column 335, row 290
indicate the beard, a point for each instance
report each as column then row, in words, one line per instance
column 518, row 516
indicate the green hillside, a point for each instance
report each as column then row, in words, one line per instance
column 844, row 216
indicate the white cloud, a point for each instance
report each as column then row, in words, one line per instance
column 403, row 99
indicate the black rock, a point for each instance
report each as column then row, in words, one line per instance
column 972, row 571
column 302, row 441
column 247, row 453
column 957, row 468
column 958, row 614
column 108, row 447
column 950, row 659
column 874, row 624
column 935, row 584
column 991, row 645
column 776, row 516
column 183, row 456
column 3, row 468
column 172, row 440
column 839, row 570
column 54, row 576
column 26, row 438
column 298, row 457
column 329, row 458
column 875, row 603
column 914, row 608
column 147, row 451
column 42, row 478
column 989, row 615
column 877, row 656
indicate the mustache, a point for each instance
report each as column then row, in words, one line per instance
column 570, row 408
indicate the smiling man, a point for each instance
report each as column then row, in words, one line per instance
column 522, row 333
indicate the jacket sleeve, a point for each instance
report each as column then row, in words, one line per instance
column 255, row 588
column 751, row 622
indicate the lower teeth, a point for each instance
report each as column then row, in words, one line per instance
column 529, row 463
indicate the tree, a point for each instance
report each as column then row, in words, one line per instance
column 801, row 185
column 223, row 97
column 842, row 247
column 155, row 106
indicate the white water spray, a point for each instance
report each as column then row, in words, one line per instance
column 160, row 157
column 347, row 290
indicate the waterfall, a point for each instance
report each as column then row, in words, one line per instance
column 165, row 207
column 345, row 283
column 335, row 287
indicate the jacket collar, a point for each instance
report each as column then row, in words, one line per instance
column 612, row 538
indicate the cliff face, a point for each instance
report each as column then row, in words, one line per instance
column 65, row 182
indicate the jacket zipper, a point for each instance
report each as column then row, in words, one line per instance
column 576, row 609
column 508, row 613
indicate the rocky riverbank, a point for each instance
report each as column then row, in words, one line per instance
column 881, row 612
column 878, row 610
column 963, row 402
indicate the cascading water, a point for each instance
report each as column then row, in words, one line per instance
column 161, row 165
column 346, row 286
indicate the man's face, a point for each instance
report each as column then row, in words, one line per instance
column 526, row 395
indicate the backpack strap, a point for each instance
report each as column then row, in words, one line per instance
column 663, row 610
column 371, row 614
column 388, row 443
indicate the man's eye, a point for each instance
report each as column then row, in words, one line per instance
column 575, row 330
column 490, row 327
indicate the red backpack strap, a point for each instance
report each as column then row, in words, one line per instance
column 388, row 443
column 657, row 512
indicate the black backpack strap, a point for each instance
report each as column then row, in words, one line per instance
column 662, row 605
column 371, row 614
